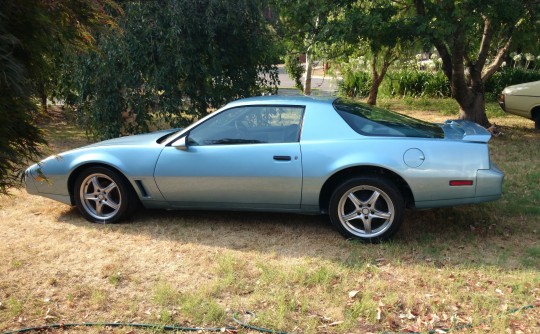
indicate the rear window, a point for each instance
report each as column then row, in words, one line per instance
column 373, row 121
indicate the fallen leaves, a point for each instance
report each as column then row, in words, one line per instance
column 353, row 293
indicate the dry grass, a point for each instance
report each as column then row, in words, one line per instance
column 446, row 267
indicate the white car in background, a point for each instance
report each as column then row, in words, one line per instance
column 522, row 100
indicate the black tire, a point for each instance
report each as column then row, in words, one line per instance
column 367, row 208
column 104, row 196
column 537, row 121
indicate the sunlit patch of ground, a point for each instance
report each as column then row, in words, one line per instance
column 445, row 268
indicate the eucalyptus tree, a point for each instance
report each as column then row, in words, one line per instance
column 171, row 61
column 33, row 33
column 473, row 38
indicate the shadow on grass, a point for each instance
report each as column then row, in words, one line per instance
column 461, row 236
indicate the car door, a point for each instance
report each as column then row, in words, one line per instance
column 244, row 157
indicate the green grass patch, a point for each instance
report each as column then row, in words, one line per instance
column 531, row 257
column 165, row 295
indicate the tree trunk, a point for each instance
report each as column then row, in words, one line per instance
column 43, row 102
column 471, row 98
column 378, row 77
column 309, row 68
column 473, row 108
column 374, row 91
column 43, row 97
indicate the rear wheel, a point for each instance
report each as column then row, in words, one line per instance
column 367, row 208
column 103, row 196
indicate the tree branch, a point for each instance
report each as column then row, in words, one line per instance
column 446, row 58
column 374, row 66
column 496, row 64
column 458, row 82
column 485, row 44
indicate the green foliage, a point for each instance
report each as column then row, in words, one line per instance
column 416, row 83
column 355, row 83
column 472, row 37
column 507, row 77
column 295, row 69
column 404, row 82
column 173, row 61
column 304, row 28
column 32, row 34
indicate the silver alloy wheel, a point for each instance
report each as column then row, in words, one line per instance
column 100, row 196
column 366, row 211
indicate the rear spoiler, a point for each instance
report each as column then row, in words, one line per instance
column 466, row 131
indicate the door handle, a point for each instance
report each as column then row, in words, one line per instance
column 282, row 157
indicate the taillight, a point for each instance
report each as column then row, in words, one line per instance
column 460, row 183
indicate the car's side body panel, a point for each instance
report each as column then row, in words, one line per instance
column 135, row 160
column 232, row 176
column 521, row 99
column 521, row 105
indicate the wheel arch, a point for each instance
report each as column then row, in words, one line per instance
column 339, row 177
column 535, row 112
column 77, row 171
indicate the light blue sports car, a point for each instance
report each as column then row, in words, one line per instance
column 360, row 164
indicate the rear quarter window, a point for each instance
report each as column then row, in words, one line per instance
column 373, row 121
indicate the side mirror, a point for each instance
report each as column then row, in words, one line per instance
column 181, row 143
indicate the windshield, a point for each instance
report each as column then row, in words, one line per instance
column 373, row 121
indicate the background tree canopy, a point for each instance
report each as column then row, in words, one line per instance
column 172, row 61
column 138, row 65
column 473, row 37
column 32, row 35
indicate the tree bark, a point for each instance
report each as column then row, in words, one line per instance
column 43, row 99
column 378, row 77
column 374, row 89
column 309, row 68
column 474, row 109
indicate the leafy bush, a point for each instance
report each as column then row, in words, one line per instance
column 295, row 69
column 170, row 61
column 405, row 82
column 355, row 83
column 508, row 77
column 416, row 83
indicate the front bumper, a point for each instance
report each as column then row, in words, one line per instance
column 29, row 182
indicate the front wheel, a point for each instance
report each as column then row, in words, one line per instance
column 367, row 208
column 103, row 196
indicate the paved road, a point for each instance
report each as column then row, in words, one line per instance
column 320, row 85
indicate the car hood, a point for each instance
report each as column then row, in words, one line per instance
column 524, row 89
column 142, row 139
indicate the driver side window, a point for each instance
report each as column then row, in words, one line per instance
column 250, row 125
